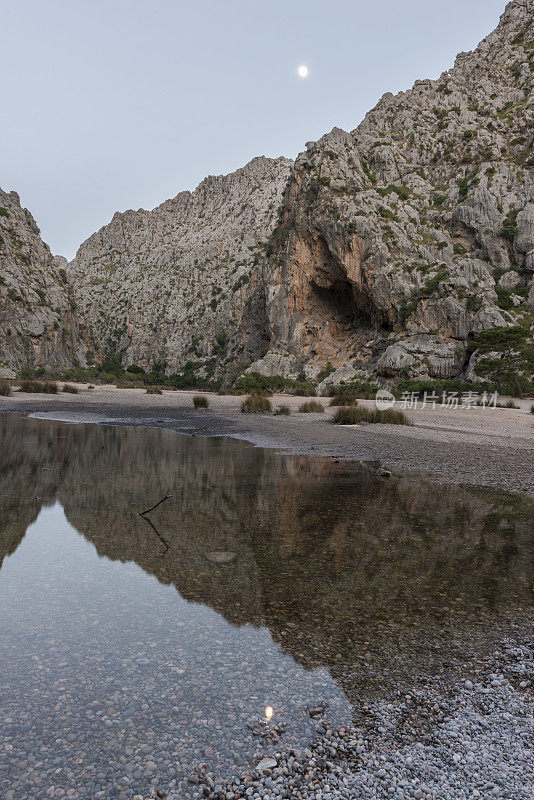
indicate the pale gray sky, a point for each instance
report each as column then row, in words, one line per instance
column 115, row 104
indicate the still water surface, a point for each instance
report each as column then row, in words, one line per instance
column 133, row 649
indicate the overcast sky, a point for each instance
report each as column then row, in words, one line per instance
column 115, row 104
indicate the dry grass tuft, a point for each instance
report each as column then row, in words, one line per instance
column 311, row 407
column 256, row 404
column 353, row 415
column 282, row 411
column 38, row 387
column 200, row 401
column 344, row 400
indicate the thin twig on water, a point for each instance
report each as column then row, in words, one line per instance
column 148, row 510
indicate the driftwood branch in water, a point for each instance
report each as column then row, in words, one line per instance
column 148, row 510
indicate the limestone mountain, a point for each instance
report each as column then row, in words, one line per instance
column 402, row 248
column 38, row 326
column 402, row 241
column 182, row 283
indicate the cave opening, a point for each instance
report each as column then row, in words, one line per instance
column 341, row 302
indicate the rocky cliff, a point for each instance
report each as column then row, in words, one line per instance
column 405, row 247
column 38, row 326
column 402, row 240
column 182, row 283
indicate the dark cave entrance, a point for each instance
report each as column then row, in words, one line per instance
column 342, row 302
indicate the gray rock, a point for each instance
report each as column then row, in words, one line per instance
column 266, row 764
column 38, row 326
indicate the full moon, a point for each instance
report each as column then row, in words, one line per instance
column 303, row 71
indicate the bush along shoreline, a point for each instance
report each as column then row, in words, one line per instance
column 503, row 363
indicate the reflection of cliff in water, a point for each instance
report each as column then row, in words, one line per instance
column 346, row 569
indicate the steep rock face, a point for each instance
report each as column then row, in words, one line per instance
column 37, row 321
column 182, row 282
column 401, row 240
column 383, row 251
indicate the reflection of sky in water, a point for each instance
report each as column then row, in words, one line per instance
column 86, row 639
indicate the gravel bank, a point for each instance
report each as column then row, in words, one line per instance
column 472, row 741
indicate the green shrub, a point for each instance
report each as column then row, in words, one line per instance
column 135, row 369
column 304, row 389
column 472, row 302
column 256, row 382
column 532, row 408
column 353, row 415
column 282, row 411
column 361, row 389
column 188, row 379
column 465, row 183
column 504, row 298
column 324, row 373
column 69, row 388
column 256, row 404
column 387, row 213
column 500, row 338
column 200, row 401
column 406, row 311
column 311, row 407
column 350, row 415
column 432, row 284
column 436, row 387
column 221, row 340
column 402, row 192
column 370, row 175
column 5, row 389
column 153, row 390
column 509, row 228
column 112, row 365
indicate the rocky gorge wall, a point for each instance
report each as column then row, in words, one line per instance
column 38, row 323
column 400, row 241
column 389, row 251
column 182, row 283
